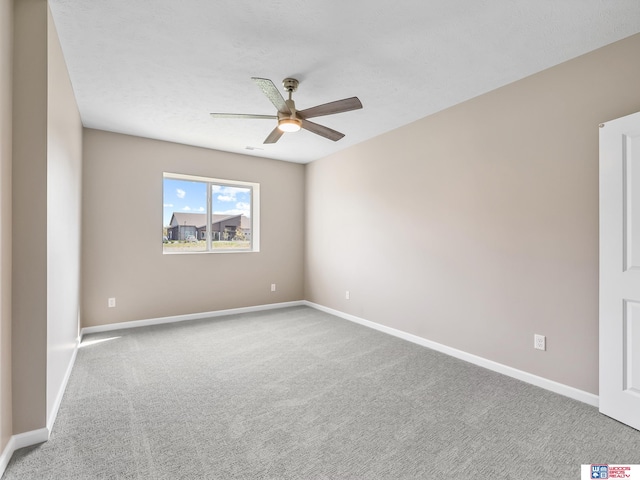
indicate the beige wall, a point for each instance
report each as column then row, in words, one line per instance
column 477, row 227
column 64, row 177
column 47, row 150
column 121, row 237
column 29, row 224
column 6, row 45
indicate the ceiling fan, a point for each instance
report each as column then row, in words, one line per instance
column 291, row 120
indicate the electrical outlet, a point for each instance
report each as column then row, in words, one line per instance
column 347, row 295
column 111, row 302
column 539, row 342
column 273, row 287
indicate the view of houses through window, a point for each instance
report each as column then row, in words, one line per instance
column 208, row 215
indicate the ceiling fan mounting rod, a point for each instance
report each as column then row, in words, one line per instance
column 290, row 85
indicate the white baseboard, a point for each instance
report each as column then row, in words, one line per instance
column 21, row 440
column 56, row 406
column 187, row 317
column 41, row 435
column 567, row 391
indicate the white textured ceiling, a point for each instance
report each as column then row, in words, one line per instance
column 156, row 68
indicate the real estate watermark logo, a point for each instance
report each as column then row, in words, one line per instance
column 599, row 471
column 608, row 471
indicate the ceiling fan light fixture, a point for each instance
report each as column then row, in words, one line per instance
column 289, row 124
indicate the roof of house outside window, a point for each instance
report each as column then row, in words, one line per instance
column 198, row 220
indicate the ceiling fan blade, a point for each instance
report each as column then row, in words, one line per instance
column 321, row 130
column 274, row 136
column 242, row 115
column 272, row 93
column 339, row 106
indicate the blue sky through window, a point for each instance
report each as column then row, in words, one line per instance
column 191, row 197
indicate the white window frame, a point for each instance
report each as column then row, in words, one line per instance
column 254, row 245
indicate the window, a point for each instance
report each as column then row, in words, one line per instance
column 209, row 215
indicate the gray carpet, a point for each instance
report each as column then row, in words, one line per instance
column 299, row 394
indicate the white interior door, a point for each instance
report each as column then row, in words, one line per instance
column 620, row 269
